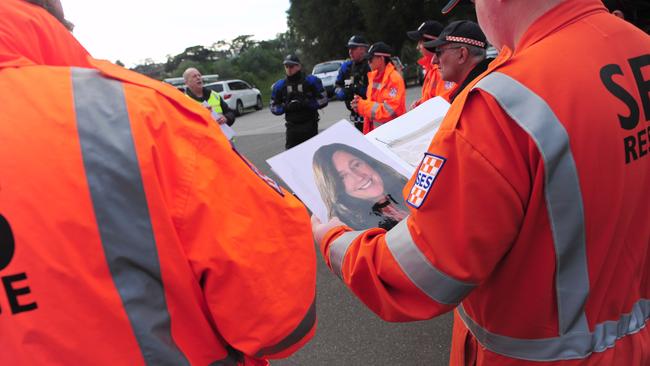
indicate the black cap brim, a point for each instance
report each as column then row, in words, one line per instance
column 355, row 45
column 432, row 45
column 450, row 6
column 290, row 63
column 414, row 35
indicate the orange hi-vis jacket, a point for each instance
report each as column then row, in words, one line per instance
column 124, row 240
column 529, row 214
column 385, row 98
column 433, row 85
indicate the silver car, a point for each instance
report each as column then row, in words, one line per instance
column 327, row 72
column 238, row 94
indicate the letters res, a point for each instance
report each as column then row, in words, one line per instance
column 636, row 145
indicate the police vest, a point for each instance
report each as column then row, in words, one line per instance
column 358, row 78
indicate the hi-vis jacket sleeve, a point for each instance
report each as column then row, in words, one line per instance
column 446, row 248
column 251, row 249
column 248, row 242
column 386, row 104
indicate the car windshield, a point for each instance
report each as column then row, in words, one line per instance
column 215, row 87
column 326, row 67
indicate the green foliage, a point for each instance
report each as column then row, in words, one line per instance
column 318, row 31
column 322, row 28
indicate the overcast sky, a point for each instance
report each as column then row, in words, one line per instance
column 134, row 30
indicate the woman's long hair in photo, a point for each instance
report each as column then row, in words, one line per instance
column 357, row 213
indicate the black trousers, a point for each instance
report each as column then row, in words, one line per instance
column 357, row 120
column 298, row 133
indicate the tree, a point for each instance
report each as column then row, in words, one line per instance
column 323, row 28
column 241, row 44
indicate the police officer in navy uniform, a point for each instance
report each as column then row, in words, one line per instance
column 353, row 77
column 298, row 97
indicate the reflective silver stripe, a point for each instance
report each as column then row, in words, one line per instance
column 390, row 110
column 298, row 334
column 562, row 191
column 373, row 111
column 376, row 85
column 338, row 249
column 437, row 285
column 122, row 214
column 575, row 345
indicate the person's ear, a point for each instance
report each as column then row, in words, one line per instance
column 463, row 55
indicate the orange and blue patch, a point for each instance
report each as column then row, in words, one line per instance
column 426, row 176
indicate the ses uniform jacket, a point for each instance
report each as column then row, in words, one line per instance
column 385, row 98
column 529, row 213
column 130, row 246
column 433, row 85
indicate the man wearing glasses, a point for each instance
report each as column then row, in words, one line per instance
column 459, row 53
column 528, row 214
column 433, row 85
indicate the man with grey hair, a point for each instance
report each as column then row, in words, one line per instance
column 215, row 103
column 466, row 60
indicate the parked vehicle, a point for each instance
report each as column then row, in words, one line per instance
column 238, row 94
column 327, row 72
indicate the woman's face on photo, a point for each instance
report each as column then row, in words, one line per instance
column 359, row 179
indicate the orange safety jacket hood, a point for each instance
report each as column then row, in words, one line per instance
column 30, row 35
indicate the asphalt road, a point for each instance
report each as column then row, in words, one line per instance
column 348, row 333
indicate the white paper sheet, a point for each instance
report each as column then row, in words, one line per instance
column 294, row 166
column 408, row 136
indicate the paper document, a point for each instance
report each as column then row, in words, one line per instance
column 300, row 168
column 359, row 179
column 227, row 130
column 409, row 135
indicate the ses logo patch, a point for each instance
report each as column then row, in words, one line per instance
column 426, row 176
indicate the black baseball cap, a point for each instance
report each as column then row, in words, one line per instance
column 460, row 31
column 450, row 6
column 428, row 30
column 379, row 49
column 357, row 41
column 291, row 59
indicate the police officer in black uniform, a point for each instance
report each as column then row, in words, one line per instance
column 298, row 97
column 353, row 77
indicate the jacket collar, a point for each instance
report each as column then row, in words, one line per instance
column 425, row 62
column 387, row 71
column 565, row 13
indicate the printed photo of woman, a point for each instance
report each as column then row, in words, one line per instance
column 356, row 188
